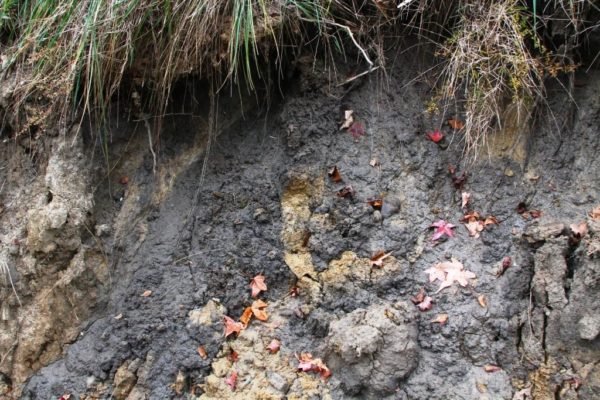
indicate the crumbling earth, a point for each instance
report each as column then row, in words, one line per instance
column 122, row 280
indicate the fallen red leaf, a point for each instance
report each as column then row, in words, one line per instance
column 65, row 397
column 449, row 272
column 535, row 213
column 490, row 220
column 521, row 207
column 378, row 257
column 357, row 130
column 442, row 228
column 435, row 136
column 232, row 326
column 257, row 284
column 334, row 174
column 375, row 203
column 419, row 297
column 491, row 368
column 274, row 346
column 422, row 301
column 246, row 316
column 440, row 319
column 482, row 300
column 466, row 199
column 124, row 180
column 231, row 381
column 426, row 304
column 470, row 217
column 258, row 307
column 233, row 356
column 506, row 263
column 579, row 230
column 307, row 363
column 574, row 382
column 346, row 192
column 202, row 352
column 459, row 180
column 474, row 228
column 294, row 291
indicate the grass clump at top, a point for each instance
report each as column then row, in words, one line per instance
column 73, row 56
column 77, row 53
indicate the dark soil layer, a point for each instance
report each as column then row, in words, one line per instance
column 266, row 186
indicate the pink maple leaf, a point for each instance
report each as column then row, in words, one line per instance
column 274, row 346
column 232, row 380
column 426, row 304
column 442, row 228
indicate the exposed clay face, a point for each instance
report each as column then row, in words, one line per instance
column 265, row 204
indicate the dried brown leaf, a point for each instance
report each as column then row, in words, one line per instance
column 440, row 319
column 579, row 230
column 348, row 119
column 378, row 257
column 491, row 368
column 258, row 307
column 202, row 352
column 258, row 285
column 482, row 300
column 456, row 123
column 231, row 326
column 334, row 174
column 274, row 346
column 466, row 199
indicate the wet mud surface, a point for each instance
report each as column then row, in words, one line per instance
column 267, row 205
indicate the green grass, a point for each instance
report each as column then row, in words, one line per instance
column 76, row 54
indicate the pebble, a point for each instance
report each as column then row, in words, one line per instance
column 278, row 382
column 377, row 217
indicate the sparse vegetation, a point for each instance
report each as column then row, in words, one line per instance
column 75, row 56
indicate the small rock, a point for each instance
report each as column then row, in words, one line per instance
column 385, row 336
column 102, row 229
column 540, row 233
column 261, row 215
column 179, row 384
column 377, row 217
column 124, row 382
column 390, row 207
column 211, row 313
column 278, row 382
column 589, row 327
column 13, row 249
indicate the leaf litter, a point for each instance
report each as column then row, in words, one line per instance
column 258, row 285
column 307, row 363
column 449, row 272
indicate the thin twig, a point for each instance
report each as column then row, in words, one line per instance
column 358, row 46
column 15, row 343
column 6, row 270
column 355, row 77
column 150, row 144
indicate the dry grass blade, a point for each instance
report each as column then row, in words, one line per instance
column 489, row 64
column 7, row 277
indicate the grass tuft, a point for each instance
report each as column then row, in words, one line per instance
column 71, row 57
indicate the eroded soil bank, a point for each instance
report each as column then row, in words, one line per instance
column 82, row 251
